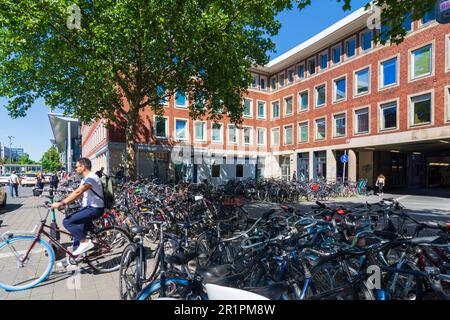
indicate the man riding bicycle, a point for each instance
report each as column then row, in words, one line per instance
column 92, row 207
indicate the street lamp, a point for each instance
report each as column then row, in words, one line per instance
column 10, row 149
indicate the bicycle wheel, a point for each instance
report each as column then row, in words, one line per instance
column 109, row 245
column 16, row 275
column 130, row 273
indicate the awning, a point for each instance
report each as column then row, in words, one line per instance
column 59, row 123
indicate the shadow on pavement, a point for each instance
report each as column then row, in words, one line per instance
column 10, row 208
column 430, row 192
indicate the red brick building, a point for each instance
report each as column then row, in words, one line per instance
column 386, row 107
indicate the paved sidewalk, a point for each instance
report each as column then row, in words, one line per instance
column 22, row 214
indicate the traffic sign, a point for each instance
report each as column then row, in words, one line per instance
column 344, row 158
column 443, row 11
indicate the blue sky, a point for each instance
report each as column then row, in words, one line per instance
column 33, row 133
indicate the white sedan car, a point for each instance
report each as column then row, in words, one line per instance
column 2, row 196
column 4, row 179
column 29, row 180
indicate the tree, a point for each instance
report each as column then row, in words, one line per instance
column 129, row 55
column 25, row 159
column 50, row 160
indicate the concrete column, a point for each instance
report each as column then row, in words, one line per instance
column 331, row 165
column 293, row 162
column 352, row 165
column 69, row 148
column 311, row 165
column 365, row 169
column 171, row 173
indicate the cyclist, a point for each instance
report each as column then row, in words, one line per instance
column 80, row 222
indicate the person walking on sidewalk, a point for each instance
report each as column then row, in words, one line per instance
column 381, row 181
column 91, row 189
column 14, row 182
column 39, row 183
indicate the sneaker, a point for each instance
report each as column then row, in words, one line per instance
column 67, row 265
column 83, row 247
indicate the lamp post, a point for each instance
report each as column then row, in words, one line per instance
column 10, row 149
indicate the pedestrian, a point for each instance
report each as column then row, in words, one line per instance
column 100, row 173
column 380, row 183
column 54, row 180
column 294, row 176
column 40, row 179
column 14, row 182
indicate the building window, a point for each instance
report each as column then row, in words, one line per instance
column 275, row 109
column 421, row 109
column 339, row 125
column 273, row 83
column 162, row 94
column 320, row 129
column 247, row 108
column 429, row 16
column 321, row 95
column 323, row 61
column 312, row 66
column 421, row 62
column 350, row 48
column 239, row 171
column 217, row 132
column 180, row 99
column 366, row 40
column 362, row 121
column 388, row 116
column 261, row 136
column 291, row 75
column 275, row 139
column 160, row 127
column 247, row 135
column 215, row 171
column 288, row 135
column 389, row 73
column 340, row 89
column 200, row 130
column 262, row 82
column 362, row 81
column 255, row 81
column 281, row 80
column 448, row 103
column 261, row 110
column 336, row 53
column 301, row 71
column 232, row 134
column 384, row 32
column 303, row 132
column 288, row 106
column 303, row 100
column 406, row 24
column 181, row 129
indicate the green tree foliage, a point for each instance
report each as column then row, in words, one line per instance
column 130, row 54
column 25, row 159
column 50, row 160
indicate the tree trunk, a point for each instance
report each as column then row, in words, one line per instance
column 130, row 136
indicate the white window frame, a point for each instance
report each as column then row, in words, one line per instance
column 166, row 129
column 272, row 136
column 411, row 65
column 316, row 131
column 381, row 73
column 447, row 103
column 243, row 135
column 361, row 40
column 283, row 74
column 341, row 56
column 411, row 113
column 204, row 132
column 307, row 66
column 334, row 124
column 276, row 83
column 300, row 100
column 299, row 137
column 355, row 82
column 265, row 81
column 265, row 136
column 228, row 134
column 255, row 77
column 251, row 108
column 346, row 57
column 285, row 114
column 186, row 102
column 279, row 109
column 382, row 105
column 335, row 89
column 292, row 136
column 293, row 75
column 175, row 129
column 320, row 60
column 221, row 132
column 316, row 96
column 304, row 71
column 447, row 53
column 355, row 121
column 257, row 109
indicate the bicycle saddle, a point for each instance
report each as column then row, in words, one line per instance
column 272, row 292
column 212, row 274
column 139, row 230
column 181, row 259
